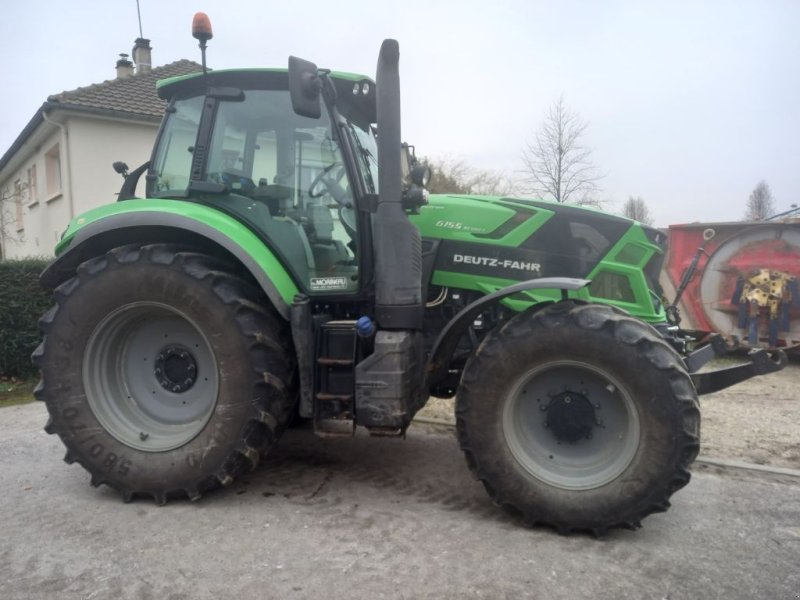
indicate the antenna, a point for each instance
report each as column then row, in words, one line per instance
column 139, row 13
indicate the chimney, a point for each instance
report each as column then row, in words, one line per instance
column 124, row 67
column 141, row 55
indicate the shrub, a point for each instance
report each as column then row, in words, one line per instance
column 22, row 302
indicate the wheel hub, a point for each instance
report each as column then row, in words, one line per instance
column 175, row 369
column 553, row 430
column 570, row 416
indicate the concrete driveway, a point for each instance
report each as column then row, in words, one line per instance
column 371, row 518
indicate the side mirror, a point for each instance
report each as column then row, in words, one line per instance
column 421, row 175
column 414, row 171
column 120, row 167
column 305, row 88
column 407, row 160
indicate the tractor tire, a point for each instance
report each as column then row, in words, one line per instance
column 164, row 374
column 579, row 417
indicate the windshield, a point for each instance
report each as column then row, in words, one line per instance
column 260, row 142
column 367, row 151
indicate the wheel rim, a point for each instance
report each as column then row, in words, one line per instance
column 571, row 425
column 150, row 376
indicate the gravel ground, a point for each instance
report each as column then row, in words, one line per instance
column 363, row 519
column 757, row 421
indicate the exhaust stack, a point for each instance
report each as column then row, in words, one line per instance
column 397, row 243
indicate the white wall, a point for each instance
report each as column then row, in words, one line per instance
column 94, row 145
column 87, row 179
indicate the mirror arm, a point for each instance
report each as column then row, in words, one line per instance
column 326, row 85
column 128, row 189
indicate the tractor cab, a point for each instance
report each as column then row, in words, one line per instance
column 232, row 140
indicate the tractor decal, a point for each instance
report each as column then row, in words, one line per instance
column 496, row 262
column 328, row 283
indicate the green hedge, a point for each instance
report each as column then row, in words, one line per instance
column 22, row 302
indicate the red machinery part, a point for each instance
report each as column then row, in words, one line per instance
column 736, row 251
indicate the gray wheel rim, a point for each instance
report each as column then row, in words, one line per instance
column 125, row 384
column 588, row 462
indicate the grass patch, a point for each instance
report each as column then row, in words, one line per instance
column 15, row 391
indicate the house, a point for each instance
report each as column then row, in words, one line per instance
column 60, row 164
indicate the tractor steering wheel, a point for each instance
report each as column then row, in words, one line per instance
column 330, row 185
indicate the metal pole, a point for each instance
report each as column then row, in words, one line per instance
column 139, row 13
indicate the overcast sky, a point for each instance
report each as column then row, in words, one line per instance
column 689, row 104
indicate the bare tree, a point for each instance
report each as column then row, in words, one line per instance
column 455, row 176
column 636, row 208
column 557, row 164
column 761, row 204
column 9, row 213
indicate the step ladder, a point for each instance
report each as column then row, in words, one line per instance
column 334, row 379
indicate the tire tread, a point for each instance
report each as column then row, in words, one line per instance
column 625, row 330
column 265, row 331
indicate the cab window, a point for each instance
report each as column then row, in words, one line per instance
column 285, row 175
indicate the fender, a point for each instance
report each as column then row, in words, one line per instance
column 446, row 343
column 153, row 221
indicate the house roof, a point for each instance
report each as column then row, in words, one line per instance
column 135, row 95
column 132, row 97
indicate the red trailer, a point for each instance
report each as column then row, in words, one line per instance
column 746, row 282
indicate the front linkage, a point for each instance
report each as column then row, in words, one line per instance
column 760, row 362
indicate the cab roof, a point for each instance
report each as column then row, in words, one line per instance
column 349, row 86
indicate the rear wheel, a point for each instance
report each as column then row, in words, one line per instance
column 579, row 417
column 164, row 373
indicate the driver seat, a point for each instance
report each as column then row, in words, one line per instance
column 328, row 251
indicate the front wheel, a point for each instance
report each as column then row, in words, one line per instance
column 163, row 372
column 579, row 417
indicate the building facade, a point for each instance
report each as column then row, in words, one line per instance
column 60, row 164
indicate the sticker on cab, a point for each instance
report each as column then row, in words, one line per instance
column 328, row 283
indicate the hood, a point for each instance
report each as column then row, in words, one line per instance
column 510, row 221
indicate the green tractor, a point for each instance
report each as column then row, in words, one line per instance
column 287, row 263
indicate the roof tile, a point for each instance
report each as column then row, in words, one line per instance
column 135, row 95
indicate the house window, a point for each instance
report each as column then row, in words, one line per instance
column 33, row 193
column 18, row 205
column 52, row 166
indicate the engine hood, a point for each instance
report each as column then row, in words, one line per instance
column 508, row 221
column 485, row 243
